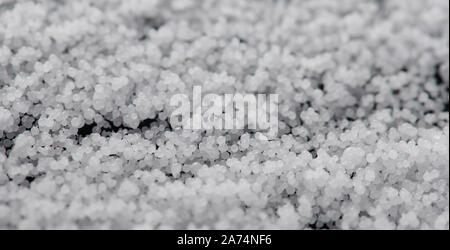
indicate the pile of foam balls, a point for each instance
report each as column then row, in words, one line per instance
column 86, row 141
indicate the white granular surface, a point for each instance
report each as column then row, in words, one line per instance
column 363, row 126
